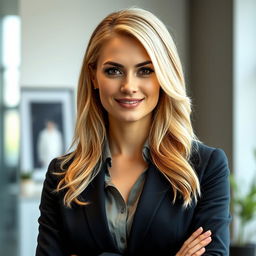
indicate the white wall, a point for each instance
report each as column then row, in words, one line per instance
column 55, row 34
column 245, row 95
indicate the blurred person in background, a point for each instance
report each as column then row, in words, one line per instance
column 49, row 143
column 138, row 182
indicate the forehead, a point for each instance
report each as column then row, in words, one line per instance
column 123, row 48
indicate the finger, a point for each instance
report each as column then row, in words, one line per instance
column 200, row 252
column 189, row 247
column 195, row 235
column 198, row 246
column 200, row 238
column 189, row 240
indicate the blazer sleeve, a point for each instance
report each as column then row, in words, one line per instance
column 212, row 210
column 50, row 241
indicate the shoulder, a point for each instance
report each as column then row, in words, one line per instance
column 58, row 166
column 64, row 161
column 208, row 160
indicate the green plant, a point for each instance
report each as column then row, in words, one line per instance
column 244, row 206
column 25, row 175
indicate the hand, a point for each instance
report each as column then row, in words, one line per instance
column 195, row 244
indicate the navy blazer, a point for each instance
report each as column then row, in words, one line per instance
column 159, row 226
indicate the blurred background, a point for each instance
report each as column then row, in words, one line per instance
column 41, row 49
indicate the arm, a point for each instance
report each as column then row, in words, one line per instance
column 50, row 241
column 212, row 210
column 104, row 254
column 110, row 254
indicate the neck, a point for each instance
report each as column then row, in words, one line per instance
column 128, row 138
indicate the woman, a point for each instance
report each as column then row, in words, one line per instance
column 138, row 181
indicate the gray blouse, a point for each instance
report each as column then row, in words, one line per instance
column 119, row 213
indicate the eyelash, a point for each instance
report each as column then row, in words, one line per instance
column 112, row 71
column 117, row 72
column 147, row 71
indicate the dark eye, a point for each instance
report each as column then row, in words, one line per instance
column 145, row 71
column 113, row 71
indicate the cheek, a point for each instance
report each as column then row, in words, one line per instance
column 154, row 91
column 107, row 90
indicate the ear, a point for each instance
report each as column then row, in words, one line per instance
column 93, row 77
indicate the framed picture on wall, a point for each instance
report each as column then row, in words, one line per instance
column 47, row 122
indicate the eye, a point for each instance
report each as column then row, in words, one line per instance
column 113, row 71
column 145, row 71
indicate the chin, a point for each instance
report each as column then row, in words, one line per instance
column 130, row 118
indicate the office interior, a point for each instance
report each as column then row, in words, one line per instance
column 41, row 49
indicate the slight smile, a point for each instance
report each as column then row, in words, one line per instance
column 129, row 103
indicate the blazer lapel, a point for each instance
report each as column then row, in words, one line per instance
column 96, row 213
column 154, row 190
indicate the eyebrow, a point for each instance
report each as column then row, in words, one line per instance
column 121, row 66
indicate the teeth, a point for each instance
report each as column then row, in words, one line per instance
column 129, row 101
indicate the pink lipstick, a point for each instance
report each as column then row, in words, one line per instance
column 129, row 103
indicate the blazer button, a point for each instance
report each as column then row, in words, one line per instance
column 122, row 239
column 122, row 210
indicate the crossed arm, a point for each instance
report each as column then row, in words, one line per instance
column 193, row 246
column 215, row 202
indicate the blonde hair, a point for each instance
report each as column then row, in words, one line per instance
column 171, row 135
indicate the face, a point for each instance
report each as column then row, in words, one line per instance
column 127, row 83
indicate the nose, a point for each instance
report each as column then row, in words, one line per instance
column 129, row 84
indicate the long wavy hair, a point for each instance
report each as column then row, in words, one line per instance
column 171, row 134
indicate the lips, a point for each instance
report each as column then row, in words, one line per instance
column 129, row 101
